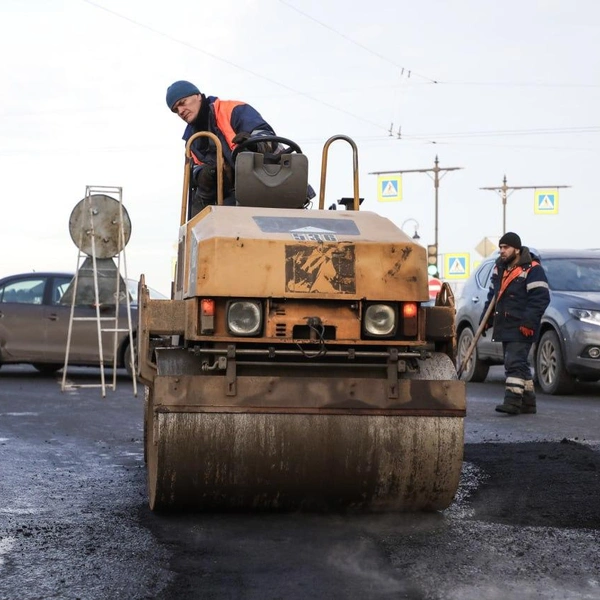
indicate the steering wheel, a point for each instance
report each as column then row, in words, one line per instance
column 291, row 146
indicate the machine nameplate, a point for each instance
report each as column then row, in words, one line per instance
column 315, row 237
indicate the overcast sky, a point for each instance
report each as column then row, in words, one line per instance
column 497, row 88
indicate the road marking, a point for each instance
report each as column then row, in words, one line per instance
column 21, row 414
column 6, row 545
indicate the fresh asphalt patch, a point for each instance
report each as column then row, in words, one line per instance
column 548, row 484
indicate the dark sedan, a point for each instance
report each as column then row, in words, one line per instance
column 34, row 321
column 569, row 344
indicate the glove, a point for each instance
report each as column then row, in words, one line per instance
column 262, row 147
column 526, row 331
column 240, row 137
column 206, row 178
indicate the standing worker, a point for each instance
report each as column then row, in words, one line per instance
column 231, row 121
column 522, row 294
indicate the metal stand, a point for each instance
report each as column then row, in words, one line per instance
column 100, row 228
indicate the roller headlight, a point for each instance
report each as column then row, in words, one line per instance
column 380, row 320
column 244, row 317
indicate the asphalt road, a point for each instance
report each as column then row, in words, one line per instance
column 74, row 522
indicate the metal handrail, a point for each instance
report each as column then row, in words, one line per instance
column 187, row 171
column 324, row 169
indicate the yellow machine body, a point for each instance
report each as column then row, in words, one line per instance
column 306, row 369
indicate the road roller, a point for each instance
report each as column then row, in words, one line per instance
column 306, row 367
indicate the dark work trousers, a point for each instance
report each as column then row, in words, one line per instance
column 517, row 371
column 516, row 359
column 201, row 200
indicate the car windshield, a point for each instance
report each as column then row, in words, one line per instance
column 132, row 286
column 573, row 274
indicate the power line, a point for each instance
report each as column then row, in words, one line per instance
column 507, row 132
column 522, row 84
column 503, row 189
column 545, row 147
column 232, row 64
column 68, row 112
column 408, row 72
column 426, row 137
column 429, row 80
column 436, row 170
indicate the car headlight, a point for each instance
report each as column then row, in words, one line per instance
column 379, row 320
column 244, row 317
column 586, row 316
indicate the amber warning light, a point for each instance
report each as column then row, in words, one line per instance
column 409, row 310
column 207, row 316
column 207, row 306
column 409, row 322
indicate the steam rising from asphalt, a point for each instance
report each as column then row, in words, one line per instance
column 364, row 562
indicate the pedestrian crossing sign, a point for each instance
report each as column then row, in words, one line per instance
column 546, row 202
column 389, row 188
column 456, row 266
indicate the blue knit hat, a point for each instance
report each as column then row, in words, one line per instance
column 178, row 90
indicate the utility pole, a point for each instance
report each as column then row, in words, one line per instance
column 436, row 170
column 503, row 189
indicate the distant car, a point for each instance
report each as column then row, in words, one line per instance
column 569, row 344
column 34, row 324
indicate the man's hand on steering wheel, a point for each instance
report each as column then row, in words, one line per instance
column 264, row 144
column 255, row 145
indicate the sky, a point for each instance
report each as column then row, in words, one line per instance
column 498, row 89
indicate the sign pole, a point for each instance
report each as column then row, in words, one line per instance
column 436, row 170
column 503, row 189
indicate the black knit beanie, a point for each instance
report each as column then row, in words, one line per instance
column 510, row 239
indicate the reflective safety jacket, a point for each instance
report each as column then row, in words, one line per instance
column 226, row 118
column 522, row 295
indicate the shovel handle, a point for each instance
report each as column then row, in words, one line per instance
column 476, row 337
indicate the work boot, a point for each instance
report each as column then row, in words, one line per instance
column 509, row 408
column 528, row 406
column 512, row 401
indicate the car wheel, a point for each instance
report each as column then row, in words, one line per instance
column 551, row 375
column 475, row 370
column 47, row 369
column 127, row 360
column 147, row 420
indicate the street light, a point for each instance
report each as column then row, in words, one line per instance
column 416, row 235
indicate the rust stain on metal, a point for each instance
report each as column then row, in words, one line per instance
column 322, row 268
column 405, row 253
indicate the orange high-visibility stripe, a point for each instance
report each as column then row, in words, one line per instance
column 509, row 276
column 223, row 110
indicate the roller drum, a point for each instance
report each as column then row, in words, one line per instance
column 304, row 461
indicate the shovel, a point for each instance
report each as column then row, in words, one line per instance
column 476, row 337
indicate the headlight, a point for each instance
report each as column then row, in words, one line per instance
column 586, row 316
column 379, row 320
column 244, row 317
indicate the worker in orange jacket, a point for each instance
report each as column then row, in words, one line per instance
column 521, row 290
column 232, row 121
